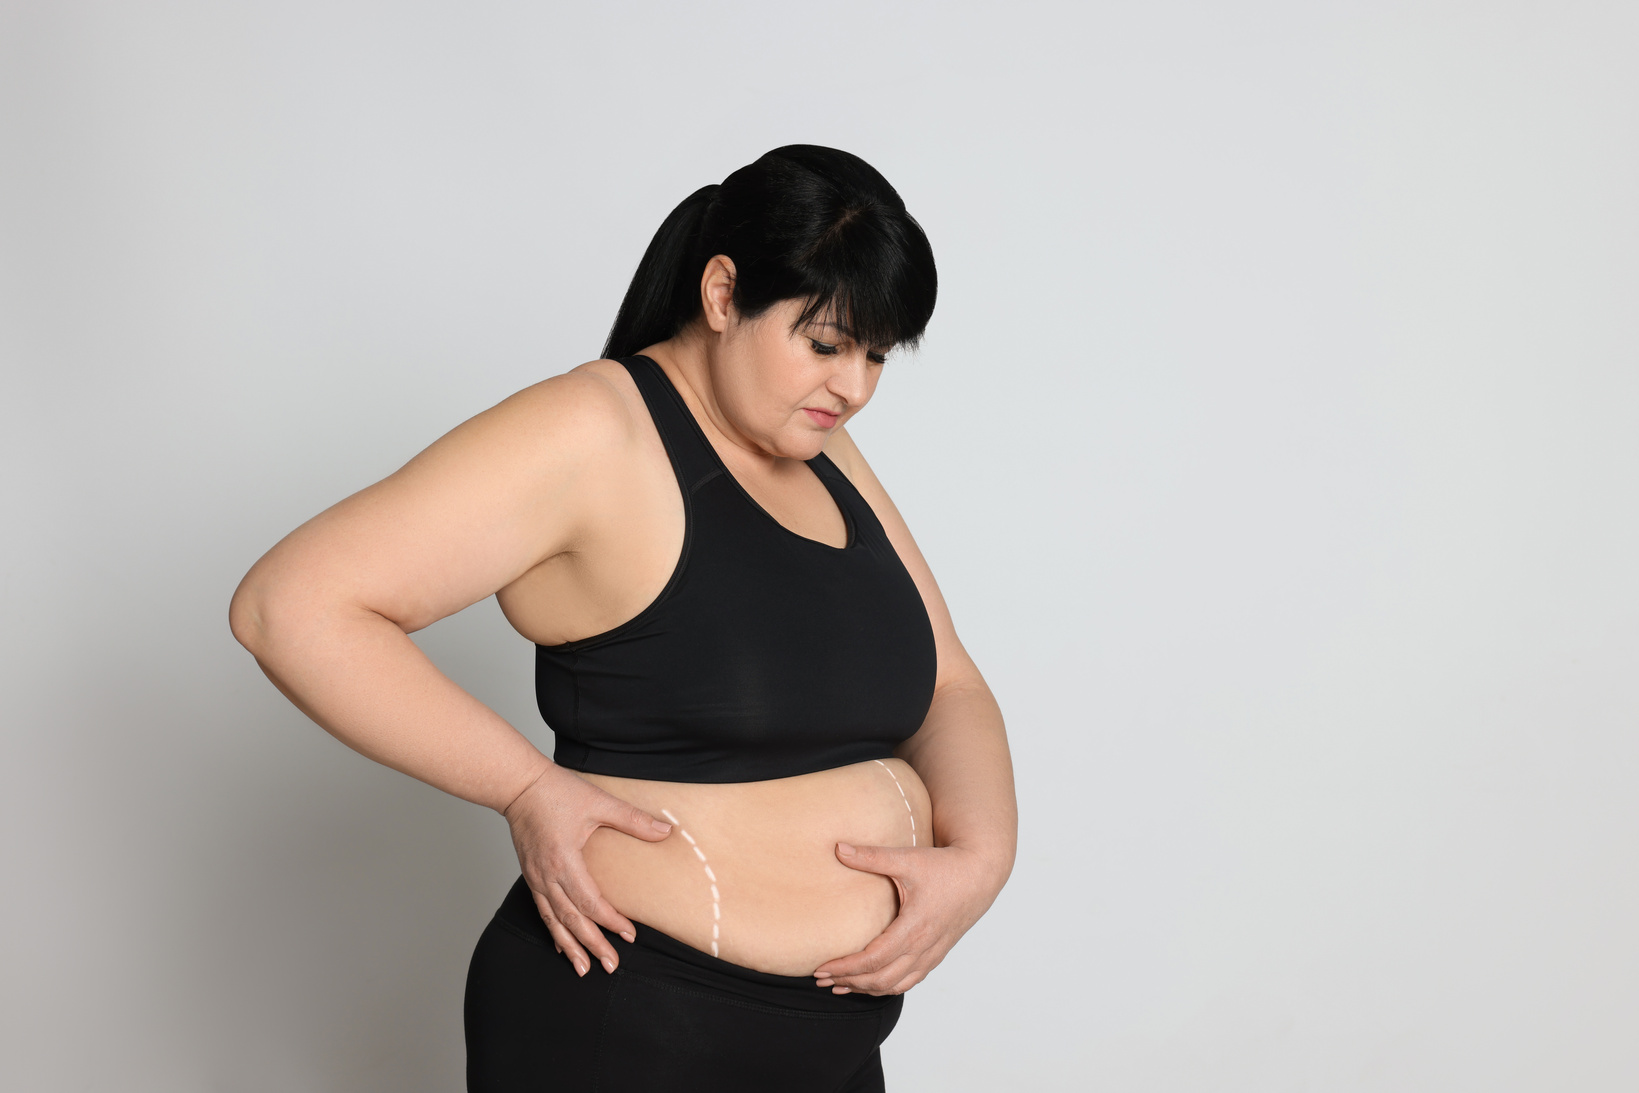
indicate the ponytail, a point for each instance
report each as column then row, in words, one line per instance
column 801, row 223
column 662, row 296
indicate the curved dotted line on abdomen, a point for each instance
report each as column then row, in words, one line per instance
column 902, row 796
column 716, row 899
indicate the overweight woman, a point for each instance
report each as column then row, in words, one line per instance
column 780, row 790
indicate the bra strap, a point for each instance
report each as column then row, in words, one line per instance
column 691, row 454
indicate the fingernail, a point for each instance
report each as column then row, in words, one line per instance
column 845, row 850
column 663, row 828
column 630, row 937
column 841, row 990
column 581, row 969
column 609, row 965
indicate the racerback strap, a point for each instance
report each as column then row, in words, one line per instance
column 691, row 453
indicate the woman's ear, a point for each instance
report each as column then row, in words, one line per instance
column 717, row 292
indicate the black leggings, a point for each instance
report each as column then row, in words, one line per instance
column 670, row 1018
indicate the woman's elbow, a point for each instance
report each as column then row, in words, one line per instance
column 271, row 614
column 247, row 612
column 263, row 609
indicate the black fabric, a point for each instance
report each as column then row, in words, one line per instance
column 767, row 654
column 670, row 1018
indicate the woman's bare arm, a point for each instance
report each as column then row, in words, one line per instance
column 329, row 610
column 961, row 754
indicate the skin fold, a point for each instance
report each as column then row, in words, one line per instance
column 787, row 904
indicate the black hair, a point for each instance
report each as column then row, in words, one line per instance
column 801, row 223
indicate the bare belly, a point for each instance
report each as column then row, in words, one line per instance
column 750, row 872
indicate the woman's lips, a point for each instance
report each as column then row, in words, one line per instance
column 823, row 418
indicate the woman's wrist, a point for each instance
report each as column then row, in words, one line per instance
column 531, row 779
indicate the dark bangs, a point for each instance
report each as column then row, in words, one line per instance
column 834, row 234
column 801, row 223
column 872, row 278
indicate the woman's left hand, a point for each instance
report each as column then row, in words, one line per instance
column 942, row 892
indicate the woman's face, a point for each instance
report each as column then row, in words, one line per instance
column 785, row 391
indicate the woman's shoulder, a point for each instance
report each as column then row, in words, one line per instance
column 593, row 405
column 579, row 418
column 562, row 434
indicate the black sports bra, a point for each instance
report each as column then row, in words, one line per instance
column 766, row 655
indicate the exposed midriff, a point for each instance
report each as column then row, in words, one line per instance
column 750, row 873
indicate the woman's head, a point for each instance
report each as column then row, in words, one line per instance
column 803, row 223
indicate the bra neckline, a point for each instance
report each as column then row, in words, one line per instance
column 851, row 529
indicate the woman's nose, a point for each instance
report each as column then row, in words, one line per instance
column 852, row 380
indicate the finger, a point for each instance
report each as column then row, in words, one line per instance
column 583, row 891
column 887, row 981
column 890, row 861
column 883, row 950
column 565, row 943
column 876, row 980
column 581, row 928
column 916, row 976
column 633, row 821
column 562, row 939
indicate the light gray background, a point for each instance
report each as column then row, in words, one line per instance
column 1274, row 441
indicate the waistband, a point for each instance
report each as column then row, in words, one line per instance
column 664, row 959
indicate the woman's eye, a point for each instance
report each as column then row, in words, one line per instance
column 877, row 358
column 822, row 349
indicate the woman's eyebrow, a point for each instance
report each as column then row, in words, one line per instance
column 845, row 332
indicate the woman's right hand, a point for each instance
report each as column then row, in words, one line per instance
column 551, row 821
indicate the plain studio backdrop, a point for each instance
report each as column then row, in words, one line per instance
column 1276, row 442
